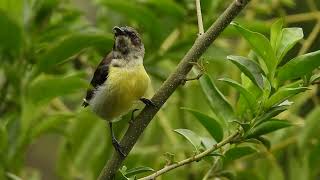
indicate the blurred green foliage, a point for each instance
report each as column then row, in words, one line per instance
column 49, row 49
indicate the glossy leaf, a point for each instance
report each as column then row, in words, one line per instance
column 249, row 68
column 138, row 170
column 261, row 45
column 218, row 103
column 246, row 94
column 299, row 66
column 212, row 125
column 283, row 94
column 275, row 33
column 267, row 127
column 46, row 87
column 237, row 152
column 192, row 137
column 70, row 46
column 289, row 37
column 207, row 142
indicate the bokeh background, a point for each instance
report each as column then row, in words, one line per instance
column 50, row 48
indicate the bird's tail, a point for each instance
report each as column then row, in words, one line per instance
column 85, row 103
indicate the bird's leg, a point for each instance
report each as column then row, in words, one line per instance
column 115, row 143
column 132, row 116
column 147, row 102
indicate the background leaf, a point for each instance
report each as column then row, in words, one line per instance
column 237, row 152
column 70, row 46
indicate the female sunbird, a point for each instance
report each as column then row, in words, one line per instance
column 120, row 80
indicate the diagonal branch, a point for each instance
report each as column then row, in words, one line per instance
column 170, row 85
column 192, row 159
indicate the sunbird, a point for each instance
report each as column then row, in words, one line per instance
column 120, row 81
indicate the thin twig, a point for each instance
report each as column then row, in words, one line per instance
column 193, row 158
column 310, row 16
column 199, row 15
column 169, row 86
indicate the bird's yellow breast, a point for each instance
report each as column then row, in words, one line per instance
column 123, row 88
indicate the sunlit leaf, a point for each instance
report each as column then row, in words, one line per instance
column 275, row 33
column 237, row 152
column 288, row 38
column 283, row 94
column 299, row 66
column 218, row 103
column 249, row 68
column 261, row 45
column 138, row 170
column 212, row 125
column 192, row 137
column 267, row 127
column 70, row 46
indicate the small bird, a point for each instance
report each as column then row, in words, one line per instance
column 120, row 80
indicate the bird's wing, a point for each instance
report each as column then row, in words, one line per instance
column 99, row 77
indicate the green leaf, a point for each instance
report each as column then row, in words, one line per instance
column 70, row 46
column 249, row 68
column 230, row 175
column 314, row 78
column 264, row 141
column 218, row 103
column 289, row 37
column 275, row 33
column 299, row 66
column 243, row 91
column 212, row 125
column 137, row 170
column 267, row 127
column 3, row 139
column 310, row 132
column 11, row 38
column 168, row 7
column 261, row 45
column 237, row 152
column 50, row 124
column 282, row 94
column 192, row 137
column 140, row 14
column 272, row 112
column 45, row 87
column 207, row 142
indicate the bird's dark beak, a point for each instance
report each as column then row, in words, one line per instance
column 118, row 31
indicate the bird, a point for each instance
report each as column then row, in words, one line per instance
column 120, row 81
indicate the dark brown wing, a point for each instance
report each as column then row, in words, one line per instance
column 99, row 77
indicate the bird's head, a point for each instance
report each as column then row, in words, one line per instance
column 128, row 42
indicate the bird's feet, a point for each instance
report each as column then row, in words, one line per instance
column 147, row 102
column 118, row 148
column 132, row 116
